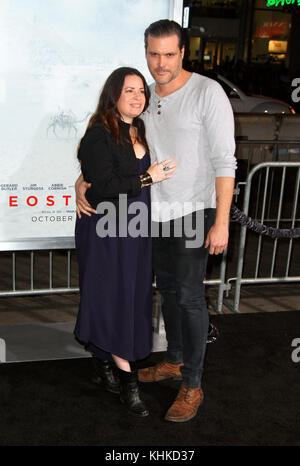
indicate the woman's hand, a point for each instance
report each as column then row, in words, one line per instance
column 82, row 205
column 163, row 170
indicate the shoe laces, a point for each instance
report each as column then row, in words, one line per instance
column 188, row 396
column 185, row 394
column 182, row 394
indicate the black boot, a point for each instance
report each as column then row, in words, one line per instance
column 104, row 374
column 129, row 393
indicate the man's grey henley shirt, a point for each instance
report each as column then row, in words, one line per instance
column 195, row 126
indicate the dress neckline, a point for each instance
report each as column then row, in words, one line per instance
column 141, row 158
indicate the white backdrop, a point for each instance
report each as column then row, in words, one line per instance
column 54, row 58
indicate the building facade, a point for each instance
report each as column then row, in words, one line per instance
column 253, row 42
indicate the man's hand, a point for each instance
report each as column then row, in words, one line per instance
column 217, row 239
column 82, row 205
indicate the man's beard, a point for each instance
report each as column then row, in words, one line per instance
column 166, row 79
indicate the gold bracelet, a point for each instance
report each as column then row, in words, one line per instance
column 146, row 179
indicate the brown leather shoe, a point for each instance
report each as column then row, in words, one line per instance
column 186, row 405
column 161, row 371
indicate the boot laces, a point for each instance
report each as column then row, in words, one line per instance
column 185, row 394
column 182, row 394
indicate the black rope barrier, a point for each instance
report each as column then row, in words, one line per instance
column 260, row 228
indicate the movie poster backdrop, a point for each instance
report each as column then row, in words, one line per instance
column 55, row 56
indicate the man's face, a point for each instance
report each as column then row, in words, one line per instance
column 164, row 58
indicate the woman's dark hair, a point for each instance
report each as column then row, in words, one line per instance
column 107, row 112
column 165, row 27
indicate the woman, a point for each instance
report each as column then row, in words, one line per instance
column 115, row 271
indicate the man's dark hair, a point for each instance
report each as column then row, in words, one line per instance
column 165, row 27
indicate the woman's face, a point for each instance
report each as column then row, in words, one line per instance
column 132, row 99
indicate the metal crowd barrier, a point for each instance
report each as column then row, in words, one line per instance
column 49, row 246
column 284, row 199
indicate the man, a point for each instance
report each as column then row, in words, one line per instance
column 189, row 119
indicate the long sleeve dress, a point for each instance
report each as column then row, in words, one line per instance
column 115, row 271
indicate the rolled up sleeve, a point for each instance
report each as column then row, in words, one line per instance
column 219, row 124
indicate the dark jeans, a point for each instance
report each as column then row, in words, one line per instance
column 180, row 272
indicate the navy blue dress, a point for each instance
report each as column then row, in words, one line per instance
column 115, row 279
